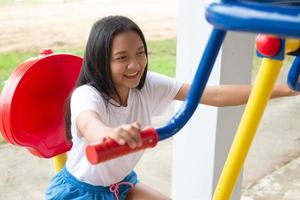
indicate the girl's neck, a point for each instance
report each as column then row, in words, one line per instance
column 123, row 95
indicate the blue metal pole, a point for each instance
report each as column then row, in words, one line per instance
column 294, row 75
column 227, row 1
column 197, row 87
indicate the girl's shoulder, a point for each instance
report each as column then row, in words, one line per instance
column 86, row 93
column 86, row 97
column 152, row 75
column 86, row 89
column 157, row 83
column 155, row 79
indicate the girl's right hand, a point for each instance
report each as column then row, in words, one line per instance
column 127, row 133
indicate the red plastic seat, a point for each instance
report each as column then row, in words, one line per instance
column 32, row 103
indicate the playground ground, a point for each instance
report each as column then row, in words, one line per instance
column 272, row 168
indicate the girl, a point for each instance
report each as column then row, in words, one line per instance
column 115, row 98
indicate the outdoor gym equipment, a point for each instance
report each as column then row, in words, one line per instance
column 279, row 18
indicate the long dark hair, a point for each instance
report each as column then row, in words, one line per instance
column 96, row 62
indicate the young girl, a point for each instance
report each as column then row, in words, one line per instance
column 115, row 98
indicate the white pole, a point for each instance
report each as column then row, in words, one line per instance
column 201, row 147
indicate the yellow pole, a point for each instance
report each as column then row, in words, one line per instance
column 258, row 100
column 291, row 44
column 59, row 161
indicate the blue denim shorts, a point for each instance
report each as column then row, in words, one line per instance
column 64, row 186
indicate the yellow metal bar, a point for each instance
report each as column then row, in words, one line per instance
column 291, row 44
column 258, row 100
column 59, row 161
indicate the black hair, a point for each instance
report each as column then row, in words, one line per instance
column 96, row 62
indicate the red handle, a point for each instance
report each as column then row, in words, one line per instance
column 110, row 149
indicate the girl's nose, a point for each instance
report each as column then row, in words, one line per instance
column 133, row 64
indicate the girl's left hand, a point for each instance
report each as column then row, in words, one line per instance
column 285, row 90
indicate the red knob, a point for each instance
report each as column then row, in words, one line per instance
column 268, row 45
column 46, row 51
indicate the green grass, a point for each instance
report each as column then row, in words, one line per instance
column 162, row 57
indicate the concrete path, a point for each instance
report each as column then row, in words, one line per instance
column 282, row 184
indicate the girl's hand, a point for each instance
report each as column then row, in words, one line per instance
column 292, row 92
column 128, row 133
column 283, row 90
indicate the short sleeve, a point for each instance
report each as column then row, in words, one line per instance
column 161, row 90
column 85, row 98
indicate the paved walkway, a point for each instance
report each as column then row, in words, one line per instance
column 282, row 184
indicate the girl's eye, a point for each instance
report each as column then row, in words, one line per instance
column 121, row 58
column 141, row 53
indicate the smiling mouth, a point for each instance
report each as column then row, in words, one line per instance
column 132, row 75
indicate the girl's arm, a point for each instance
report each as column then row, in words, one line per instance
column 93, row 129
column 231, row 95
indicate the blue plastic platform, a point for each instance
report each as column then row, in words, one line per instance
column 251, row 16
column 279, row 2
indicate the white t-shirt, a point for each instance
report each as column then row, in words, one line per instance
column 143, row 104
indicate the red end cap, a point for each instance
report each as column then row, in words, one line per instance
column 268, row 45
column 92, row 155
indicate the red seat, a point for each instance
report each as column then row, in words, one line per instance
column 32, row 103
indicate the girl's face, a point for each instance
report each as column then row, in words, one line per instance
column 128, row 61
